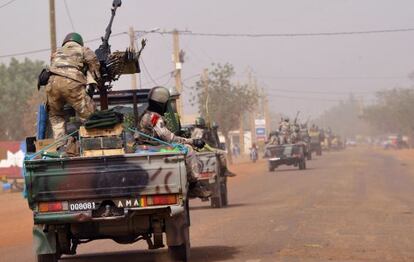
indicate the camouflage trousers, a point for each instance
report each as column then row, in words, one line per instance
column 192, row 165
column 60, row 91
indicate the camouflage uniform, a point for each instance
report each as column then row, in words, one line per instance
column 284, row 132
column 154, row 125
column 73, row 67
column 198, row 133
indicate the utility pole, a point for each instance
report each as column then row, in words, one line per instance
column 177, row 59
column 266, row 114
column 132, row 48
column 204, row 80
column 52, row 22
column 252, row 113
column 241, row 130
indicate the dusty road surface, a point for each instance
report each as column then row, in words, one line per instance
column 354, row 205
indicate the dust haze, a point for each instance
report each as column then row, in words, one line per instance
column 290, row 69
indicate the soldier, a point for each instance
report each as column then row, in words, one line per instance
column 295, row 134
column 273, row 138
column 199, row 130
column 202, row 132
column 284, row 131
column 70, row 66
column 153, row 124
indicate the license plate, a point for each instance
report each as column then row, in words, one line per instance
column 82, row 206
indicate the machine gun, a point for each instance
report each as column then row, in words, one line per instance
column 296, row 117
column 113, row 65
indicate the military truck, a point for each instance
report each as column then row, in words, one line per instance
column 316, row 142
column 211, row 175
column 287, row 154
column 126, row 196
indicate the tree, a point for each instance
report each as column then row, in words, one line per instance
column 221, row 101
column 17, row 85
column 393, row 112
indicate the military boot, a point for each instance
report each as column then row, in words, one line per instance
column 196, row 189
column 228, row 173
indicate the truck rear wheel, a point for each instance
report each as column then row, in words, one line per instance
column 271, row 167
column 224, row 195
column 319, row 152
column 181, row 253
column 302, row 164
column 177, row 229
column 47, row 258
column 216, row 200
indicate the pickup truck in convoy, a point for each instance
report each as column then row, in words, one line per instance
column 125, row 196
column 286, row 154
column 211, row 172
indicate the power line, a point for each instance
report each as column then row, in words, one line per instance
column 7, row 3
column 331, row 77
column 319, row 92
column 68, row 13
column 190, row 33
column 365, row 32
column 191, row 77
column 306, row 98
column 148, row 73
column 48, row 49
column 158, row 78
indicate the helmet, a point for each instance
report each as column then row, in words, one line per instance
column 158, row 98
column 75, row 37
column 286, row 119
column 200, row 122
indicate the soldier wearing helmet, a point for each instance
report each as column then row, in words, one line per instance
column 199, row 129
column 152, row 123
column 72, row 68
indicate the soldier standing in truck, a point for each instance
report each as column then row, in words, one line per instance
column 73, row 66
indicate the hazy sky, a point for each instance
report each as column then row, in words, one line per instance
column 293, row 70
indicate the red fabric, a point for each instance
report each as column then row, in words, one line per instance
column 154, row 119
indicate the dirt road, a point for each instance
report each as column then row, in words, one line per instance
column 354, row 205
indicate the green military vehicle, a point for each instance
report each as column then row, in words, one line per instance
column 211, row 175
column 316, row 139
column 286, row 154
column 125, row 197
column 110, row 188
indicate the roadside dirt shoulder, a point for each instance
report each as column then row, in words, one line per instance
column 16, row 220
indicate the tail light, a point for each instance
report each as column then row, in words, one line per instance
column 158, row 200
column 52, row 206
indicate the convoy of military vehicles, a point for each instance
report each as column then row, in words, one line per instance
column 105, row 185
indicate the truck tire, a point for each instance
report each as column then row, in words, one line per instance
column 224, row 194
column 47, row 258
column 271, row 167
column 216, row 200
column 181, row 253
column 302, row 164
column 319, row 152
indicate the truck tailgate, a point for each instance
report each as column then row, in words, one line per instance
column 105, row 176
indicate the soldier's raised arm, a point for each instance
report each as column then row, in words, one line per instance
column 92, row 63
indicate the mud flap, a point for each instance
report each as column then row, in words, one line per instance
column 44, row 242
